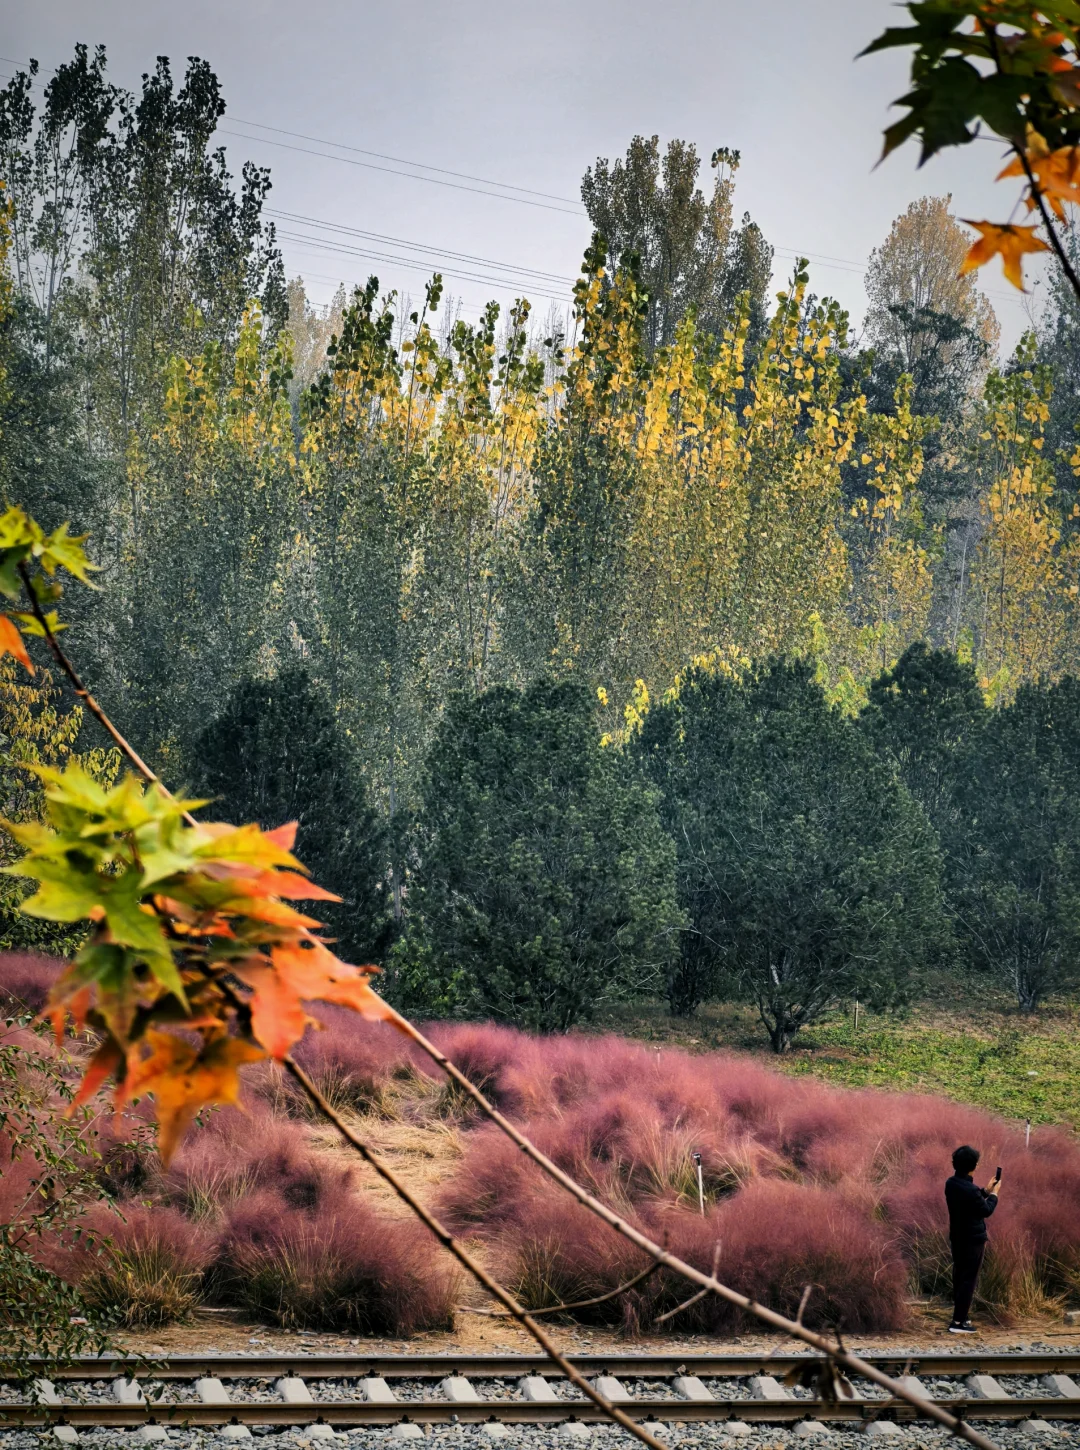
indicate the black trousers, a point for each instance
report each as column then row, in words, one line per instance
column 966, row 1263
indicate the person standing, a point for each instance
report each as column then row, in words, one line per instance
column 969, row 1208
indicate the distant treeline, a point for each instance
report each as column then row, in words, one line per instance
column 400, row 575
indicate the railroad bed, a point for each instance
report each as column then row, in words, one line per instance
column 232, row 1396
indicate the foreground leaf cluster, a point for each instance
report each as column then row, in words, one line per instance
column 174, row 907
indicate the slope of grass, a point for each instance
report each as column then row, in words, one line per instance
column 963, row 1040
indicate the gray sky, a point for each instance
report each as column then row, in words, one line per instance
column 531, row 94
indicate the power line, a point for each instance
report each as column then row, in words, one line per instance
column 817, row 259
column 390, row 171
column 331, row 249
column 302, row 218
column 402, row 161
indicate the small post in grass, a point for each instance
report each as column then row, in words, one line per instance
column 700, row 1183
column 856, row 1017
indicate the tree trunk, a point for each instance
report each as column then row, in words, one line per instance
column 684, row 987
column 781, row 1034
column 1027, row 995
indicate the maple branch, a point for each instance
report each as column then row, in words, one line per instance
column 577, row 1304
column 478, row 1272
column 1048, row 221
column 83, row 693
column 708, row 1282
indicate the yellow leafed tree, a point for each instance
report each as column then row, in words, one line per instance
column 1023, row 600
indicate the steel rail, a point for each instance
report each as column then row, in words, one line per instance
column 510, row 1366
column 512, row 1412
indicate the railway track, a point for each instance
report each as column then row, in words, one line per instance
column 324, row 1394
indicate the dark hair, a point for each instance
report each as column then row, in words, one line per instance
column 965, row 1159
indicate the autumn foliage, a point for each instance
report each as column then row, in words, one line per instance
column 1010, row 68
column 175, row 906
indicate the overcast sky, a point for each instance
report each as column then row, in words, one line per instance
column 529, row 95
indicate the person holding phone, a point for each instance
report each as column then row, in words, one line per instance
column 969, row 1208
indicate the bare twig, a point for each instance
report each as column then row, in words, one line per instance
column 465, row 1259
column 694, row 1298
column 1036, row 192
column 1048, row 223
column 83, row 693
column 578, row 1303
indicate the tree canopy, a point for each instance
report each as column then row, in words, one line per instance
column 808, row 873
column 544, row 883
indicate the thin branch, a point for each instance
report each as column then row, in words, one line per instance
column 478, row 1272
column 577, row 1304
column 694, row 1298
column 1048, row 223
column 86, row 697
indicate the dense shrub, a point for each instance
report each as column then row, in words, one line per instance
column 278, row 752
column 544, row 882
column 342, row 1268
column 807, row 872
column 146, row 1265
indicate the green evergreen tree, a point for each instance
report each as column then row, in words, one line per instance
column 1017, row 895
column 276, row 753
column 544, row 883
column 807, row 871
column 929, row 713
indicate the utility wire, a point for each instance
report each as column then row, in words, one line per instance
column 300, row 218
column 817, row 259
column 332, row 249
column 389, row 170
column 401, row 161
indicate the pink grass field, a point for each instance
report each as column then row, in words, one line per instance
column 804, row 1183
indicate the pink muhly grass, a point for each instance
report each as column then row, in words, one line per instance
column 25, row 979
column 343, row 1268
column 352, row 1062
column 143, row 1264
column 236, row 1153
column 559, row 1253
column 776, row 1237
column 624, row 1120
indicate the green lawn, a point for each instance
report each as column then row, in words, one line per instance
column 962, row 1041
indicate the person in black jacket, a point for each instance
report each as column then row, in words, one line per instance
column 969, row 1208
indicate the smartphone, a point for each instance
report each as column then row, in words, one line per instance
column 998, row 1174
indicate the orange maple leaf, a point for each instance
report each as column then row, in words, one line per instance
column 105, row 1061
column 11, row 642
column 289, row 885
column 267, row 909
column 185, row 1077
column 300, row 974
column 1057, row 174
column 278, row 1019
column 1011, row 241
column 60, row 1003
column 283, row 836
